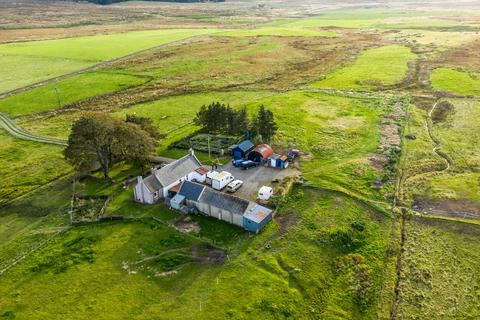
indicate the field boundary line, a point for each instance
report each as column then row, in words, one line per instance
column 31, row 251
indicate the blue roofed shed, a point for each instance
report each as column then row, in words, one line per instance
column 242, row 150
column 256, row 218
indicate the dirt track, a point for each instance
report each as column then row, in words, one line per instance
column 9, row 126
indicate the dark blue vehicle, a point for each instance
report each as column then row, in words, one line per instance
column 237, row 163
column 247, row 164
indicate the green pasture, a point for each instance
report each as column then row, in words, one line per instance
column 174, row 115
column 385, row 65
column 59, row 93
column 26, row 166
column 440, row 276
column 457, row 135
column 297, row 274
column 24, row 63
column 455, row 81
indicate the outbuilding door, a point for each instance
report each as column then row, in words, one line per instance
column 237, row 154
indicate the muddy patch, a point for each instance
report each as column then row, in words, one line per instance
column 466, row 209
column 423, row 102
column 186, row 225
column 208, row 254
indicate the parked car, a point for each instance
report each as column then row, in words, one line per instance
column 237, row 162
column 245, row 165
column 265, row 193
column 234, row 185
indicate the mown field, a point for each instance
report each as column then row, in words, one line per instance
column 354, row 90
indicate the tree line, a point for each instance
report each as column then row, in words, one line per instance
column 220, row 118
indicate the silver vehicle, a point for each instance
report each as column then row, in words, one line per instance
column 234, row 185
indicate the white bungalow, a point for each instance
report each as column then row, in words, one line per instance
column 157, row 185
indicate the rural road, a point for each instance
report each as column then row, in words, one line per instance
column 14, row 130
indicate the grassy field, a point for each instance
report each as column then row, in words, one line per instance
column 26, row 166
column 424, row 169
column 281, row 32
column 89, row 257
column 374, row 67
column 379, row 19
column 59, row 93
column 56, row 57
column 455, row 81
column 441, row 276
column 331, row 251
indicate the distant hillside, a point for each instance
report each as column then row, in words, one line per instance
column 183, row 1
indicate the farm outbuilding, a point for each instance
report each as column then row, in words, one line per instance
column 256, row 218
column 222, row 206
column 261, row 153
column 241, row 150
column 278, row 161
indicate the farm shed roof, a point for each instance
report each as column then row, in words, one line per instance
column 246, row 145
column 264, row 150
column 202, row 170
column 224, row 201
column 177, row 169
column 257, row 213
column 175, row 188
column 152, row 183
column 191, row 190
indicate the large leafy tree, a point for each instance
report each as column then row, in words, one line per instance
column 99, row 139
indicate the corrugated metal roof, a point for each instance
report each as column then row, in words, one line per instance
column 175, row 188
column 224, row 201
column 191, row 190
column 264, row 150
column 275, row 156
column 152, row 183
column 177, row 169
column 258, row 213
column 202, row 170
column 246, row 145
